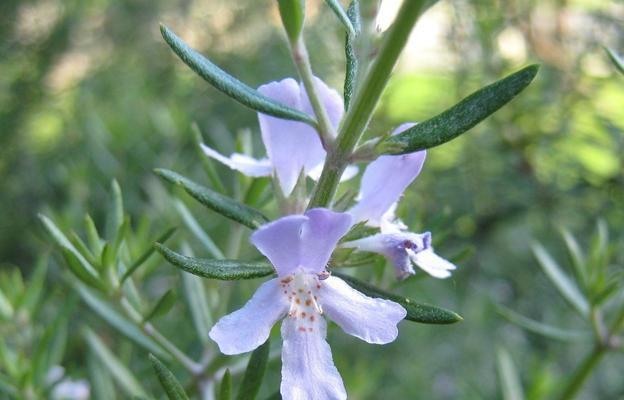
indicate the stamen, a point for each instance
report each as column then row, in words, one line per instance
column 317, row 306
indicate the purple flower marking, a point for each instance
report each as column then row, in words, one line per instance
column 291, row 146
column 299, row 247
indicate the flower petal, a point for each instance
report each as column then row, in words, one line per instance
column 332, row 101
column 320, row 235
column 383, row 182
column 240, row 162
column 308, row 370
column 249, row 327
column 280, row 242
column 291, row 145
column 389, row 223
column 432, row 263
column 370, row 319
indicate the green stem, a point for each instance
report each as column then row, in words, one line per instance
column 618, row 323
column 576, row 381
column 152, row 332
column 304, row 68
column 604, row 342
column 366, row 98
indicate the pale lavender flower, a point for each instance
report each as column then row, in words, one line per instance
column 383, row 183
column 299, row 247
column 292, row 147
column 69, row 389
column 402, row 249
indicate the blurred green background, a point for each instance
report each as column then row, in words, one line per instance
column 90, row 92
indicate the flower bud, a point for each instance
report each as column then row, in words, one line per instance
column 293, row 14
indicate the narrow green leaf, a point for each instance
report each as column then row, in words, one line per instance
column 417, row 312
column 168, row 381
column 274, row 396
column 257, row 191
column 217, row 202
column 77, row 268
column 225, row 391
column 163, row 306
column 508, row 375
column 197, row 230
column 542, row 329
column 120, row 235
column 29, row 300
column 352, row 63
column 359, row 231
column 229, row 85
column 615, row 59
column 117, row 321
column 216, row 269
column 598, row 253
column 46, row 354
column 115, row 215
column 82, row 247
column 122, row 375
column 610, row 288
column 562, row 282
column 462, row 116
column 147, row 253
column 93, row 237
column 102, row 387
column 342, row 16
column 6, row 308
column 117, row 208
column 252, row 380
column 576, row 255
column 107, row 259
column 77, row 263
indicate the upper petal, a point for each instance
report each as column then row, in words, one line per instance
column 280, row 242
column 291, row 145
column 383, row 182
column 301, row 242
column 308, row 370
column 370, row 319
column 249, row 327
column 247, row 165
column 319, row 237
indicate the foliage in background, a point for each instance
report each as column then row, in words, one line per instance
column 90, row 92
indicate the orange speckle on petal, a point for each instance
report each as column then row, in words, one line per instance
column 302, row 329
